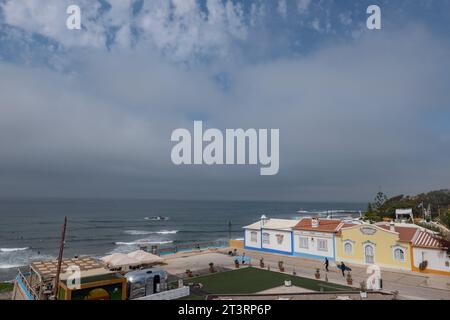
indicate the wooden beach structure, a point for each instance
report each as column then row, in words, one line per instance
column 38, row 283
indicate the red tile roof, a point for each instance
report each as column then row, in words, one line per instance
column 426, row 240
column 406, row 234
column 325, row 225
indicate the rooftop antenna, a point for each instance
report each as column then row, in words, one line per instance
column 60, row 256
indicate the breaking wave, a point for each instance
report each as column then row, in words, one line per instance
column 142, row 232
column 138, row 242
column 13, row 249
column 19, row 257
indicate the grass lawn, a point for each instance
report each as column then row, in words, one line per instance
column 5, row 287
column 252, row 280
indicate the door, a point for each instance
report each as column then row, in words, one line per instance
column 156, row 284
column 149, row 286
column 369, row 254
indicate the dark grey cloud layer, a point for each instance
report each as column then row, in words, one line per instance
column 352, row 117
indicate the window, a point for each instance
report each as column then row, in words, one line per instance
column 369, row 254
column 280, row 238
column 322, row 245
column 399, row 254
column 348, row 248
column 266, row 238
column 304, row 242
column 253, row 236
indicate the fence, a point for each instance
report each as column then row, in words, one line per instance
column 186, row 247
column 168, row 295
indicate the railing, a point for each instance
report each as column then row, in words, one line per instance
column 163, row 250
column 25, row 286
column 168, row 295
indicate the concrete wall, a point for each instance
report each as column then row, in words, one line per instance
column 313, row 251
column 238, row 244
column 168, row 295
column 437, row 260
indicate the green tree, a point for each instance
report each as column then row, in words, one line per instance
column 379, row 201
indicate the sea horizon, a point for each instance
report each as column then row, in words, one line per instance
column 96, row 227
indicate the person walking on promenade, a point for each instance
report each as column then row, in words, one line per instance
column 343, row 268
column 326, row 263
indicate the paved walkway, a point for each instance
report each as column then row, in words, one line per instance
column 409, row 284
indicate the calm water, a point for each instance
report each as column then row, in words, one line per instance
column 30, row 230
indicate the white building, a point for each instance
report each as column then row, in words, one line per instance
column 315, row 238
column 429, row 255
column 270, row 235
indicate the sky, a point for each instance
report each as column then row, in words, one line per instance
column 89, row 113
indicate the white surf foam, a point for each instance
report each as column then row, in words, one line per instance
column 20, row 257
column 13, row 249
column 143, row 232
column 140, row 242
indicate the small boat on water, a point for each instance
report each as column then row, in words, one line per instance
column 157, row 218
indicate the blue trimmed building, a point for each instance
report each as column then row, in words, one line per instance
column 270, row 235
column 309, row 237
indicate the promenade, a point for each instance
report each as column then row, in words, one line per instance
column 410, row 285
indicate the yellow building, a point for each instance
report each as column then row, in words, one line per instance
column 384, row 244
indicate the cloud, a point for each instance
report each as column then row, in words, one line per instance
column 350, row 119
column 303, row 5
column 282, row 8
column 179, row 28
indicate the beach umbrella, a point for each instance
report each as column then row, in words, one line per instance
column 144, row 257
column 120, row 260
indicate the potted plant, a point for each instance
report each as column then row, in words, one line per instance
column 189, row 273
column 236, row 263
column 317, row 274
column 423, row 265
column 211, row 267
column 261, row 262
column 281, row 266
column 349, row 279
column 363, row 286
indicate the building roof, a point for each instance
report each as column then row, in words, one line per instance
column 406, row 234
column 276, row 224
column 325, row 225
column 426, row 240
column 47, row 269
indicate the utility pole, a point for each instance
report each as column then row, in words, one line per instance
column 60, row 256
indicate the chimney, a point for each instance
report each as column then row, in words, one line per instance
column 392, row 226
column 263, row 220
column 314, row 222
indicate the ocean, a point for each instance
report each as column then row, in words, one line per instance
column 31, row 229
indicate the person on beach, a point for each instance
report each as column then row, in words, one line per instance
column 326, row 263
